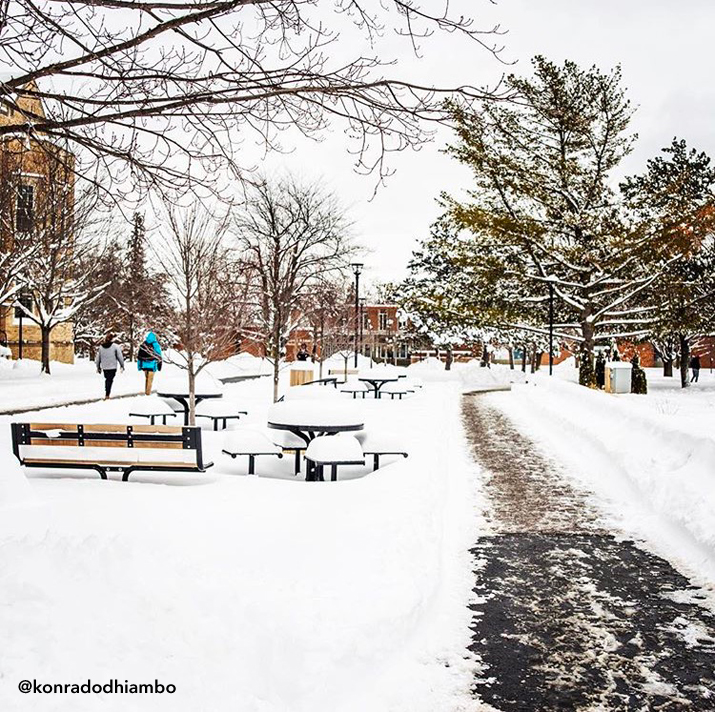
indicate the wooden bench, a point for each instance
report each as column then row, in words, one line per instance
column 109, row 448
column 334, row 450
column 251, row 443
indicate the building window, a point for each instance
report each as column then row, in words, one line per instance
column 25, row 208
column 382, row 321
column 24, row 298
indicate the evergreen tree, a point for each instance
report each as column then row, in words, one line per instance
column 674, row 198
column 542, row 214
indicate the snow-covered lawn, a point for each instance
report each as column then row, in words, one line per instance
column 248, row 593
column 23, row 386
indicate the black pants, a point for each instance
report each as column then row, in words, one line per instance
column 696, row 375
column 109, row 375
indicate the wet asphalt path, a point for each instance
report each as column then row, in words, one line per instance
column 569, row 615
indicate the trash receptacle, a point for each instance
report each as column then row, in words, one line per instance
column 300, row 373
column 618, row 377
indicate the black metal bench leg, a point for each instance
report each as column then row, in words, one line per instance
column 375, row 462
column 102, row 472
column 251, row 464
column 333, row 473
column 297, row 462
column 216, row 424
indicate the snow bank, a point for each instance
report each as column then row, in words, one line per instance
column 635, row 458
column 14, row 487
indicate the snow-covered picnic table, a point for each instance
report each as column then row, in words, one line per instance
column 307, row 419
column 378, row 380
column 182, row 397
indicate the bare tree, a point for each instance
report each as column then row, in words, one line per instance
column 155, row 91
column 324, row 307
column 192, row 251
column 63, row 227
column 294, row 237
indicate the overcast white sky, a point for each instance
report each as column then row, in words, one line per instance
column 663, row 46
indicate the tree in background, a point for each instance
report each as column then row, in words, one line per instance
column 294, row 237
column 325, row 307
column 674, row 198
column 192, row 250
column 542, row 212
column 65, row 229
column 158, row 93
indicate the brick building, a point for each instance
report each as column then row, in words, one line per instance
column 33, row 172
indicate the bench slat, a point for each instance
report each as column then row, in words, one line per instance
column 110, row 463
column 109, row 428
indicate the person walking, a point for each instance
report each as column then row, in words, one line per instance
column 695, row 366
column 149, row 360
column 109, row 358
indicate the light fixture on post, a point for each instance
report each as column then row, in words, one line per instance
column 361, row 319
column 357, row 269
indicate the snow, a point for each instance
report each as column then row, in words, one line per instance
column 338, row 413
column 314, row 392
column 249, row 441
column 340, row 447
column 652, row 466
column 260, row 594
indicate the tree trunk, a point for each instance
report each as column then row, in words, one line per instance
column 539, row 356
column 586, row 371
column 668, row 367
column 684, row 360
column 45, row 354
column 523, row 358
column 532, row 360
column 511, row 358
column 449, row 358
column 345, row 368
column 485, row 356
column 192, row 391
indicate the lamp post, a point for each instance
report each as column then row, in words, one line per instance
column 357, row 269
column 551, row 328
column 361, row 311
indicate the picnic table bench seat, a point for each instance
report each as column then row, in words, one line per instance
column 379, row 444
column 153, row 408
column 396, row 389
column 329, row 381
column 289, row 442
column 218, row 411
column 109, row 447
column 356, row 388
column 334, row 450
column 251, row 443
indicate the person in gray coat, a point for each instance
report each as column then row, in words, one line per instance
column 109, row 358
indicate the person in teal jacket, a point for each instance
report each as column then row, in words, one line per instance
column 149, row 360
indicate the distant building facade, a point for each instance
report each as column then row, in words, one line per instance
column 33, row 173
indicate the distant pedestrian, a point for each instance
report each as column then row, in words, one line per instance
column 302, row 354
column 149, row 360
column 109, row 358
column 600, row 371
column 695, row 367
